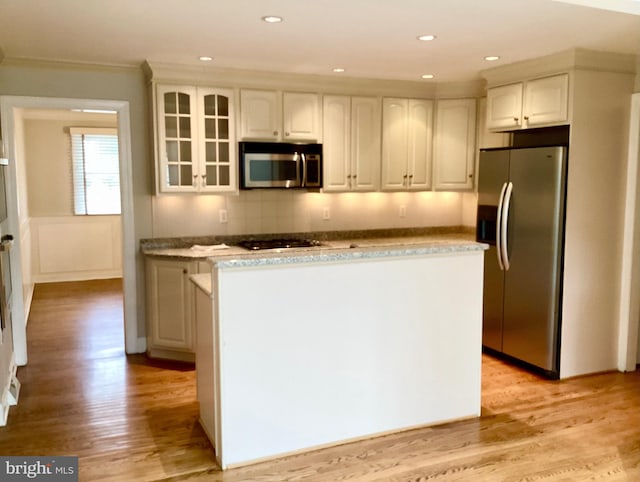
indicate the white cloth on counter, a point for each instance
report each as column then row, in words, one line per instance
column 211, row 247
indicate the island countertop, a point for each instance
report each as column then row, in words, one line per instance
column 229, row 256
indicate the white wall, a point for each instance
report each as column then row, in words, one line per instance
column 595, row 218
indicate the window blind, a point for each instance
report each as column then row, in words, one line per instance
column 96, row 171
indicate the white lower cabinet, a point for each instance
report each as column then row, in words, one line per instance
column 170, row 308
column 406, row 144
column 455, row 144
column 351, row 146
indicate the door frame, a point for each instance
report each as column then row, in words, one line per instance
column 8, row 104
column 629, row 319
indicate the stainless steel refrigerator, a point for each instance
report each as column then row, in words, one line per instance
column 521, row 209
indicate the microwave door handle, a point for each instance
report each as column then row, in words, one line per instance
column 303, row 162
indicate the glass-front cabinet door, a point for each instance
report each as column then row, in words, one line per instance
column 196, row 139
column 176, row 108
column 217, row 140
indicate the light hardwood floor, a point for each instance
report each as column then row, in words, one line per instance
column 131, row 419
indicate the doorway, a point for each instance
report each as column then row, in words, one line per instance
column 10, row 111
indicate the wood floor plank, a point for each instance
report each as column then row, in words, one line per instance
column 129, row 418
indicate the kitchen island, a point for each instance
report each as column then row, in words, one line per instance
column 301, row 349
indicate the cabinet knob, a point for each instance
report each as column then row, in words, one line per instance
column 516, row 119
column 195, row 180
column 286, row 134
column 470, row 176
column 526, row 117
column 275, row 133
column 184, row 271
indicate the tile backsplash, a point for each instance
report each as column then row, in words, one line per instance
column 274, row 211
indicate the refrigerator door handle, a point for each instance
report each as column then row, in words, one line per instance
column 504, row 228
column 499, row 228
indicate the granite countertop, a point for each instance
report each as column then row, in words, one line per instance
column 378, row 245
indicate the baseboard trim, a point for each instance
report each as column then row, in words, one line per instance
column 78, row 276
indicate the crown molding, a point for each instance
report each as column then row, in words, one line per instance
column 573, row 59
column 29, row 62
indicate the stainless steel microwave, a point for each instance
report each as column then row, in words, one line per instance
column 280, row 165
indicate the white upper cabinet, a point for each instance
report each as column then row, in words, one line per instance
column 455, row 144
column 195, row 139
column 504, row 107
column 546, row 101
column 533, row 103
column 300, row 116
column 351, row 145
column 406, row 144
column 259, row 114
column 272, row 116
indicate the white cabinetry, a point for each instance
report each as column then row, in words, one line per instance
column 195, row 139
column 351, row 147
column 406, row 144
column 533, row 103
column 455, row 144
column 272, row 115
column 170, row 308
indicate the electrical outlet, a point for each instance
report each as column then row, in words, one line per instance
column 403, row 211
column 222, row 214
column 326, row 213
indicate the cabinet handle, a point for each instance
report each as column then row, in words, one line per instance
column 470, row 176
column 516, row 119
column 349, row 180
column 526, row 117
column 184, row 271
column 195, row 180
column 404, row 181
column 275, row 133
column 286, row 134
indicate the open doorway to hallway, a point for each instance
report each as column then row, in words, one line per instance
column 11, row 107
column 69, row 195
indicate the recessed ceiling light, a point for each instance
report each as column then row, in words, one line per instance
column 491, row 58
column 205, row 58
column 427, row 76
column 272, row 19
column 338, row 70
column 426, row 38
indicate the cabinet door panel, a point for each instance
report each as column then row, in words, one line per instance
column 455, row 144
column 336, row 148
column 504, row 107
column 170, row 301
column 420, row 143
column 394, row 143
column 177, row 138
column 300, row 116
column 546, row 100
column 365, row 143
column 259, row 114
column 217, row 159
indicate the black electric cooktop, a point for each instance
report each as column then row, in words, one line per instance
column 256, row 244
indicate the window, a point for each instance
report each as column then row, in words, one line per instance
column 96, row 173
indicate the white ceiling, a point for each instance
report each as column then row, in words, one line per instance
column 368, row 38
